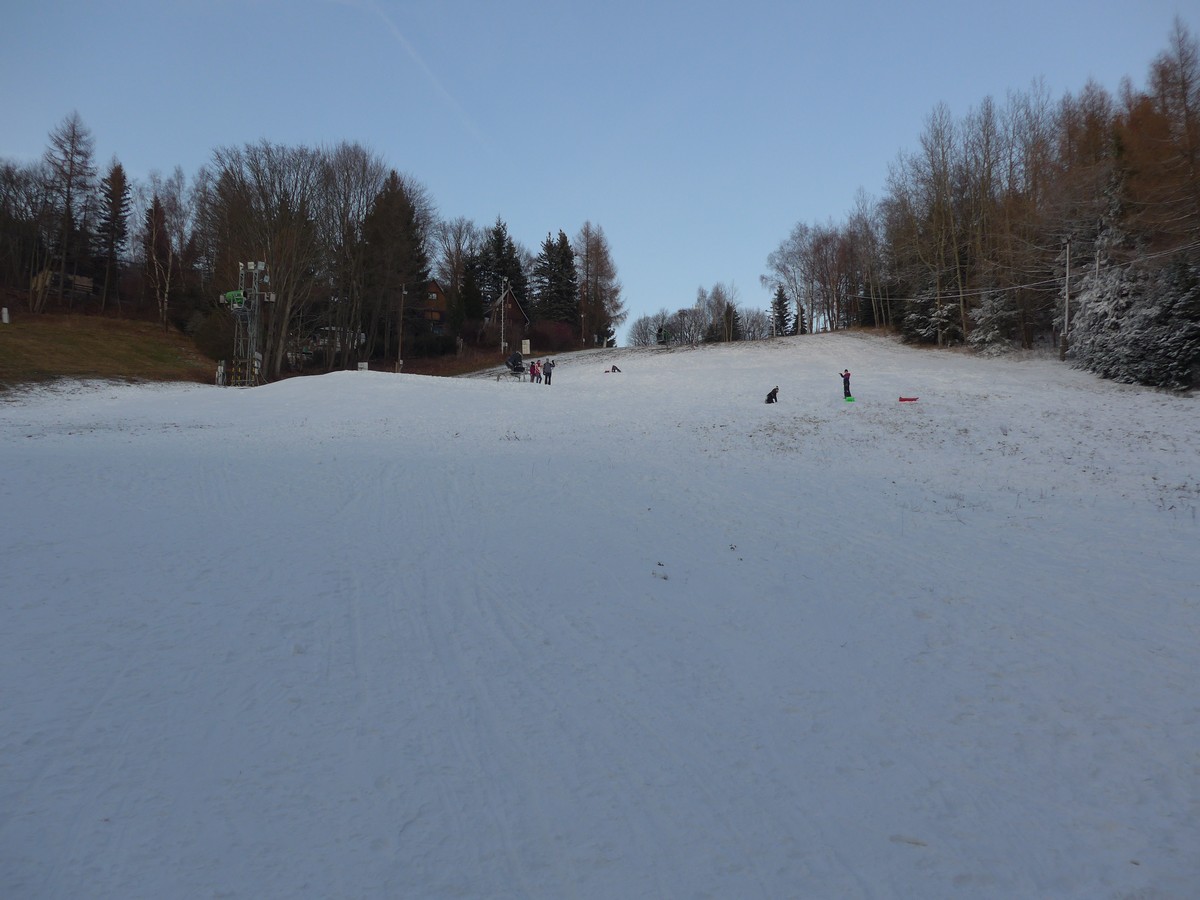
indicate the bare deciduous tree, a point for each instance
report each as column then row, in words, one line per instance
column 351, row 180
column 788, row 267
column 166, row 236
column 264, row 204
column 27, row 223
column 756, row 324
column 71, row 172
column 455, row 241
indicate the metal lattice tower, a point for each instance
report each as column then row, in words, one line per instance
column 245, row 369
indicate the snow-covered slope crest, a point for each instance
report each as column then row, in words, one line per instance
column 631, row 634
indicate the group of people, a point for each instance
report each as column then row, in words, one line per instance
column 773, row 394
column 539, row 370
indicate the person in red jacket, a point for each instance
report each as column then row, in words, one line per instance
column 846, row 382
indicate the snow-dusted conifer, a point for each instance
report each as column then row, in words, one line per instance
column 928, row 321
column 1140, row 325
column 994, row 320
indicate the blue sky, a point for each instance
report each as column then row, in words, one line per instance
column 696, row 134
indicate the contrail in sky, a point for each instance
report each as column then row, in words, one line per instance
column 372, row 6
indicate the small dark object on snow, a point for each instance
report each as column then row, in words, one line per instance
column 773, row 397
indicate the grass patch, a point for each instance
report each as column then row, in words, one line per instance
column 42, row 347
column 59, row 345
column 472, row 359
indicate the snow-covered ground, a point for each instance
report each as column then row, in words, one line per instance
column 630, row 635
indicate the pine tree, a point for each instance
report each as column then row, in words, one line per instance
column 726, row 326
column 541, row 280
column 928, row 318
column 497, row 263
column 995, row 321
column 1140, row 325
column 396, row 260
column 555, row 283
column 733, row 323
column 114, row 225
column 780, row 312
column 799, row 324
column 470, row 296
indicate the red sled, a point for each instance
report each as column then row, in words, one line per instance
column 908, row 399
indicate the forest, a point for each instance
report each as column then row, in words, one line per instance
column 1070, row 223
column 1073, row 224
column 355, row 264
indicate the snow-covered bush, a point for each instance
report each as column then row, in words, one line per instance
column 994, row 320
column 1140, row 325
column 930, row 320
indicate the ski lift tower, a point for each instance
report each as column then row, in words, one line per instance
column 245, row 369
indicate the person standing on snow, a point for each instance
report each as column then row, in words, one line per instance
column 535, row 372
column 846, row 382
column 548, row 370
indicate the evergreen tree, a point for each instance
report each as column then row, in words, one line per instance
column 928, row 318
column 555, row 283
column 995, row 321
column 726, row 326
column 396, row 261
column 114, row 226
column 541, row 280
column 470, row 295
column 780, row 312
column 799, row 324
column 498, row 262
column 733, row 323
column 1139, row 324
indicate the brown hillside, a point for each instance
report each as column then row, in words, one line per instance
column 40, row 347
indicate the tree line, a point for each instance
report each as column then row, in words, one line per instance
column 351, row 246
column 716, row 316
column 1073, row 223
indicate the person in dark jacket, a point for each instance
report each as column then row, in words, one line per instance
column 846, row 381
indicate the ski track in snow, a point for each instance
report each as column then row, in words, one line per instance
column 634, row 634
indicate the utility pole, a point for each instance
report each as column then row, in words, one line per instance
column 503, row 303
column 400, row 330
column 1062, row 351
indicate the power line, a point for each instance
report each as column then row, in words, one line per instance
column 1033, row 285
